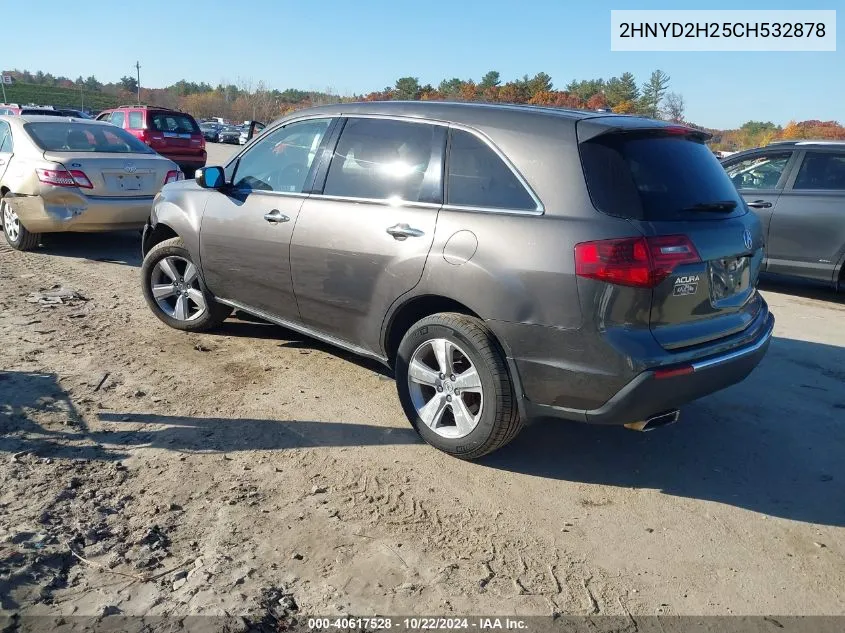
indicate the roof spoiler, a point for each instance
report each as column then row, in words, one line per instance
column 592, row 127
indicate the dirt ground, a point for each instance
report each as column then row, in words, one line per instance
column 251, row 472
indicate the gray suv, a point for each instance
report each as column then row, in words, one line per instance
column 797, row 189
column 506, row 262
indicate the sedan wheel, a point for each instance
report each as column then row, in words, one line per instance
column 175, row 286
column 16, row 234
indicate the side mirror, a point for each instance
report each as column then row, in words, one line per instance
column 211, row 177
column 255, row 128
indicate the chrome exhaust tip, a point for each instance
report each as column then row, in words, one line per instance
column 655, row 421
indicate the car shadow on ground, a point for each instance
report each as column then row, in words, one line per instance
column 800, row 288
column 772, row 444
column 116, row 247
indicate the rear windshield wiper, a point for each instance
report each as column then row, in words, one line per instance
column 721, row 205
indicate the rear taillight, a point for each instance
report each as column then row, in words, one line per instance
column 643, row 262
column 142, row 136
column 64, row 178
column 173, row 176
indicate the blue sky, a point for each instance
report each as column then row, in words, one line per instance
column 356, row 47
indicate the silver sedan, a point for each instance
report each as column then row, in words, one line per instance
column 68, row 174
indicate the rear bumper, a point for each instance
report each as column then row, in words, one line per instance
column 647, row 394
column 77, row 213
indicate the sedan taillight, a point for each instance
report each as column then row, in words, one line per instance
column 173, row 176
column 64, row 178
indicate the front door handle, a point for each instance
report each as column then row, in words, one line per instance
column 2, row 161
column 403, row 231
column 759, row 204
column 276, row 217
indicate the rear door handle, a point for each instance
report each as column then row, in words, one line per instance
column 759, row 204
column 276, row 217
column 403, row 231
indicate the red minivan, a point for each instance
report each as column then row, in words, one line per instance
column 171, row 133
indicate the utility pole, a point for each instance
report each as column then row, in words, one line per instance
column 138, row 70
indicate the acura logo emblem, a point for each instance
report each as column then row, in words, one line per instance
column 747, row 239
column 130, row 168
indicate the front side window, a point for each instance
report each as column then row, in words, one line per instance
column 821, row 170
column 478, row 177
column 759, row 172
column 5, row 138
column 282, row 160
column 118, row 118
column 380, row 159
column 136, row 121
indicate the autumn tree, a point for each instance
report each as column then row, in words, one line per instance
column 597, row 102
column 653, row 92
column 407, row 89
column 625, row 107
column 674, row 107
column 468, row 91
column 791, row 131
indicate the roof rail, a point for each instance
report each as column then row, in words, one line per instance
column 809, row 142
column 143, row 106
column 10, row 105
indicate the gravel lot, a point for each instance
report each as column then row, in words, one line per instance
column 253, row 472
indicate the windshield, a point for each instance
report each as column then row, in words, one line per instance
column 69, row 136
column 654, row 177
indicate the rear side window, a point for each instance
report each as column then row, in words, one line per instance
column 136, row 121
column 762, row 171
column 118, row 118
column 478, row 177
column 383, row 159
column 653, row 177
column 173, row 122
column 62, row 136
column 821, row 170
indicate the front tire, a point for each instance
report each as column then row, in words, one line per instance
column 454, row 386
column 16, row 234
column 174, row 289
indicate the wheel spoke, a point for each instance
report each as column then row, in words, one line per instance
column 190, row 274
column 468, row 381
column 432, row 412
column 166, row 266
column 420, row 373
column 181, row 311
column 443, row 352
column 163, row 291
column 464, row 419
column 197, row 297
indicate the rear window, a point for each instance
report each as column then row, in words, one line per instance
column 650, row 177
column 173, row 122
column 61, row 136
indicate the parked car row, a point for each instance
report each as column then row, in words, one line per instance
column 506, row 263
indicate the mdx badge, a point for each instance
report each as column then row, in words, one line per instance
column 685, row 285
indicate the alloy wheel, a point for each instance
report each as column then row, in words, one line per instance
column 445, row 388
column 11, row 224
column 175, row 285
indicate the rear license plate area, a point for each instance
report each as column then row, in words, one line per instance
column 729, row 277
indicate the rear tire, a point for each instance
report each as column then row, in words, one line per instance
column 175, row 291
column 16, row 234
column 471, row 392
